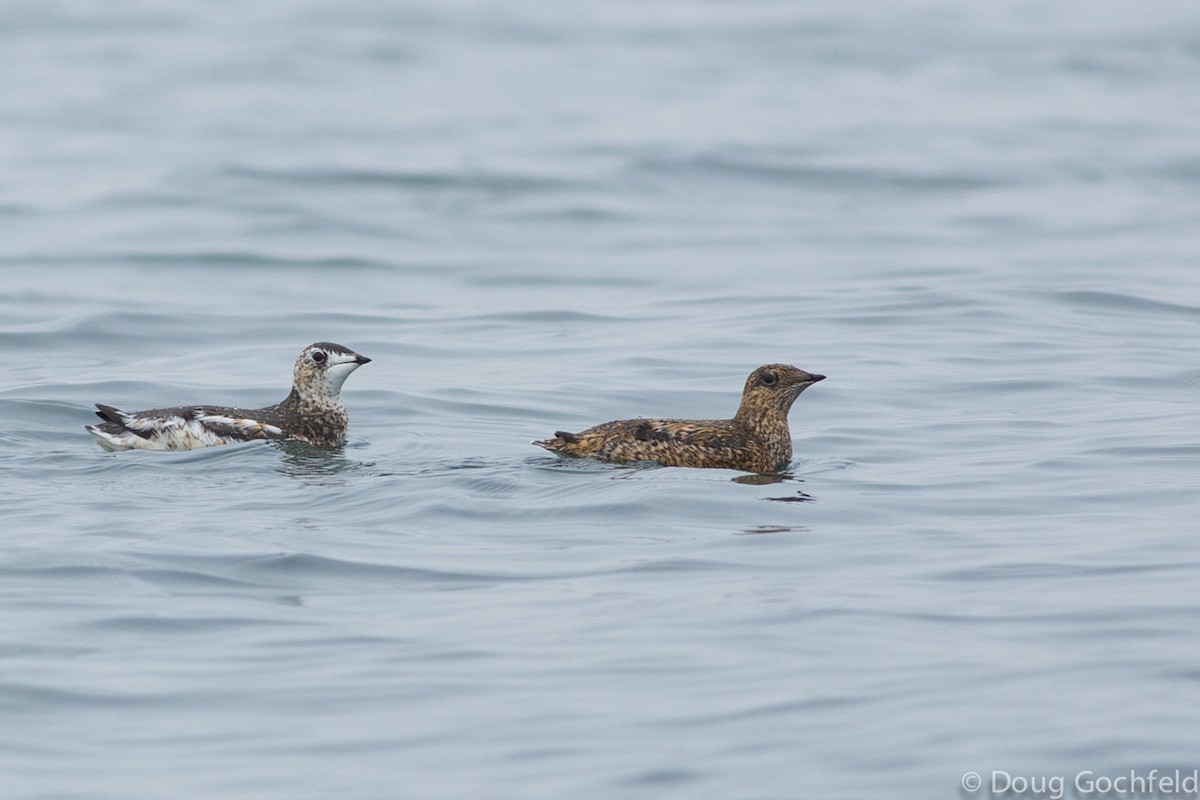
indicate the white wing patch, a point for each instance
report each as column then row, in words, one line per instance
column 149, row 424
column 247, row 428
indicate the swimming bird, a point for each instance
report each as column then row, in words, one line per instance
column 312, row 412
column 757, row 439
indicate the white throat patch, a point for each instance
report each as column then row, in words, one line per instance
column 337, row 372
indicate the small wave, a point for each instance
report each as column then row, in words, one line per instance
column 1125, row 303
column 493, row 182
column 818, row 176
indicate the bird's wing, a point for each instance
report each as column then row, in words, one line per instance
column 685, row 432
column 202, row 423
column 234, row 426
column 143, row 423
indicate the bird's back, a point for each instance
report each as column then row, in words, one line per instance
column 183, row 427
column 723, row 443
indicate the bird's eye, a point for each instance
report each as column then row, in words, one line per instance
column 769, row 379
column 319, row 356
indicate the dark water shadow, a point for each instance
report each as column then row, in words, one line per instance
column 764, row 478
column 763, row 530
column 770, row 479
column 800, row 496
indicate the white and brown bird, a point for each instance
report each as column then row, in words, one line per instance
column 312, row 412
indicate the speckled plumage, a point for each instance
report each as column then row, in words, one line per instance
column 756, row 439
column 312, row 412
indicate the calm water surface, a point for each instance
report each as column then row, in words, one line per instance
column 981, row 223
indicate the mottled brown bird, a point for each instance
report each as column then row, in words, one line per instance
column 757, row 439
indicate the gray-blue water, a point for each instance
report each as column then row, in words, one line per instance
column 981, row 221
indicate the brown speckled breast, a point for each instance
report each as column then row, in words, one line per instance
column 323, row 427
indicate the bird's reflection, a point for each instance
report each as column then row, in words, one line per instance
column 767, row 479
column 315, row 464
column 764, row 478
column 799, row 497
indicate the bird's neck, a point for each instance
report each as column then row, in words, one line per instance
column 762, row 414
column 295, row 401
